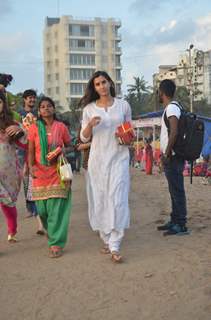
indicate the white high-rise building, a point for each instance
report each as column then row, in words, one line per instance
column 192, row 71
column 73, row 50
column 207, row 75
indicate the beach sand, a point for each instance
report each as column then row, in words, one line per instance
column 162, row 278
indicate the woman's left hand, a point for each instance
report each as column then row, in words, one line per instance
column 12, row 130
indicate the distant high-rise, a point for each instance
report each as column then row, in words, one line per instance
column 192, row 71
column 73, row 50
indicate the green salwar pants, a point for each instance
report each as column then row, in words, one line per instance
column 55, row 216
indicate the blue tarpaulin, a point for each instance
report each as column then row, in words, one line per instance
column 207, row 138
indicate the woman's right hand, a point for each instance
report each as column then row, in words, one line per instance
column 94, row 121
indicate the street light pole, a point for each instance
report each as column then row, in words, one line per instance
column 190, row 76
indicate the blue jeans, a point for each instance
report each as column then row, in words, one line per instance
column 174, row 174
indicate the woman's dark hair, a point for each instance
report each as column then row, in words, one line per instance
column 6, row 116
column 48, row 99
column 90, row 93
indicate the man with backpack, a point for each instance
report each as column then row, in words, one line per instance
column 172, row 163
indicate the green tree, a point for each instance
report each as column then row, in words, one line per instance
column 74, row 114
column 137, row 95
column 182, row 96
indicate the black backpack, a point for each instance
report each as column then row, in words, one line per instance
column 189, row 143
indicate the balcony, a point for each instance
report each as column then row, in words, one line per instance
column 118, row 37
column 81, row 49
column 117, row 50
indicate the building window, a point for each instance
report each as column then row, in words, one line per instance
column 56, row 62
column 56, row 48
column 81, row 74
column 49, row 77
column 116, row 46
column 49, row 91
column 84, row 30
column 81, row 30
column 118, row 75
column 116, row 31
column 57, row 76
column 118, row 89
column 77, row 89
column 117, row 60
column 80, row 44
column 82, row 59
column 57, row 90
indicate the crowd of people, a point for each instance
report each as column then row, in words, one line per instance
column 27, row 141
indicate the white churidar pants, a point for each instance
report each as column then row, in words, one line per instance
column 112, row 239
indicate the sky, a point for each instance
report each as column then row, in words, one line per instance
column 153, row 33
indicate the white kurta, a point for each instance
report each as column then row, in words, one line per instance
column 108, row 168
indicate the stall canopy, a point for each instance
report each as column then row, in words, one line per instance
column 152, row 119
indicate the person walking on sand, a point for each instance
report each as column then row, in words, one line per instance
column 53, row 198
column 29, row 115
column 11, row 137
column 108, row 164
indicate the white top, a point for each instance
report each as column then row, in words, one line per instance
column 171, row 110
column 108, row 168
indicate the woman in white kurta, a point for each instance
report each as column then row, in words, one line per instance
column 108, row 165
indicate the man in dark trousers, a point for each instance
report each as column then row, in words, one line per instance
column 172, row 164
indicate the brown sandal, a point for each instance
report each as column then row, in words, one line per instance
column 116, row 257
column 105, row 250
column 55, row 252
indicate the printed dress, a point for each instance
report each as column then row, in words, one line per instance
column 47, row 183
column 10, row 171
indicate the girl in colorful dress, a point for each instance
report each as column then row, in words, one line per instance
column 108, row 164
column 53, row 198
column 10, row 172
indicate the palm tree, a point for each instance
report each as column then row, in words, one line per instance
column 139, row 89
column 138, row 95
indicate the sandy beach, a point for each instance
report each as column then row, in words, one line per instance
column 162, row 278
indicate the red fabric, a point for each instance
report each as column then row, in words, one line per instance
column 149, row 159
column 47, row 176
column 200, row 169
column 11, row 218
column 138, row 154
column 58, row 129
